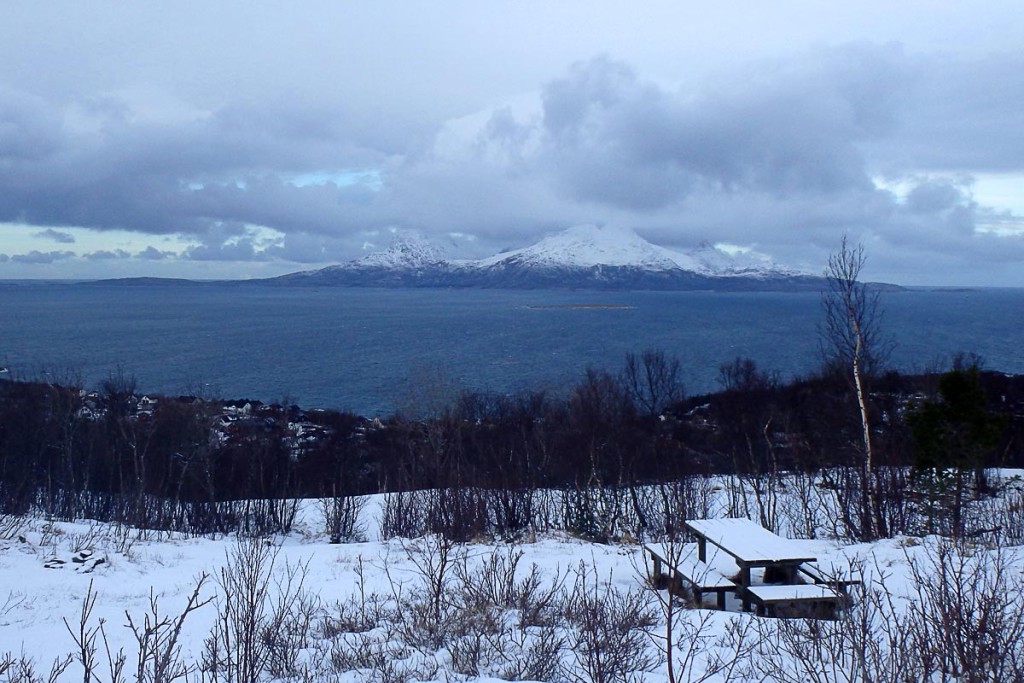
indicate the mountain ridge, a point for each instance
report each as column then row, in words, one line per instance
column 580, row 257
column 583, row 257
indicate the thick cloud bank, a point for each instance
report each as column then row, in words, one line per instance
column 779, row 155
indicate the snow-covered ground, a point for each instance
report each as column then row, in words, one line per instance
column 45, row 578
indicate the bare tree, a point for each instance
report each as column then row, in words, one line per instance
column 852, row 339
column 652, row 380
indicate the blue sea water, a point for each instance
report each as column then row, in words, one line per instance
column 367, row 350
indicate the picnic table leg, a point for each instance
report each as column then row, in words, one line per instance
column 744, row 585
column 702, row 549
column 657, row 567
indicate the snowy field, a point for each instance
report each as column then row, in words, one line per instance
column 399, row 610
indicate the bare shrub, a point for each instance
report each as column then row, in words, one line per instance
column 459, row 514
column 264, row 517
column 477, row 614
column 869, row 642
column 692, row 648
column 11, row 526
column 498, row 582
column 474, row 653
column 610, row 631
column 294, row 613
column 85, row 639
column 258, row 630
column 893, row 492
column 158, row 655
column 968, row 618
column 360, row 612
column 13, row 601
column 845, row 490
column 234, row 650
column 998, row 519
column 380, row 659
column 341, row 518
column 23, row 669
column 511, row 511
column 159, row 658
column 594, row 512
column 1010, row 518
column 534, row 654
column 424, row 610
column 403, row 516
column 503, row 620
column 804, row 509
column 491, row 582
column 659, row 510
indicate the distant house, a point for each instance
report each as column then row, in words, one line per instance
column 146, row 405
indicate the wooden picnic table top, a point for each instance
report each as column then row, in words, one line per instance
column 749, row 542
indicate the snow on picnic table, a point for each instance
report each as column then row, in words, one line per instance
column 777, row 593
column 749, row 541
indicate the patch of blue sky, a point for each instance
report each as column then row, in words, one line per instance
column 196, row 185
column 369, row 178
column 1000, row 191
column 20, row 238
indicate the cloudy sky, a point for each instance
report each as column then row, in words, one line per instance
column 241, row 139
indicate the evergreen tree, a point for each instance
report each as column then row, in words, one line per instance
column 953, row 435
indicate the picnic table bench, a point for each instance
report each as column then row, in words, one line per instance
column 805, row 600
column 680, row 567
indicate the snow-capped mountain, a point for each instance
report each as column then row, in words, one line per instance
column 410, row 260
column 584, row 256
column 711, row 260
column 589, row 246
column 408, row 250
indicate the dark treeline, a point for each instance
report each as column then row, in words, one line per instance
column 185, row 463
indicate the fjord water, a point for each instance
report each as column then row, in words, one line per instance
column 366, row 350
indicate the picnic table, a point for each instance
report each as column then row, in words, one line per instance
column 751, row 545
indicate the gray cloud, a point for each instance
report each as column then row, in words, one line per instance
column 37, row 257
column 107, row 255
column 229, row 241
column 153, row 254
column 56, row 236
column 790, row 129
column 782, row 154
column 782, row 158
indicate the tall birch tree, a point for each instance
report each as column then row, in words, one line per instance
column 851, row 338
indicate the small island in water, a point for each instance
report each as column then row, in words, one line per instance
column 579, row 306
